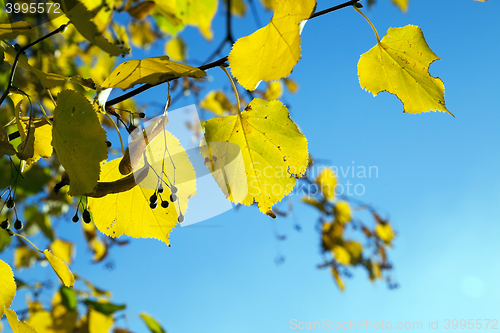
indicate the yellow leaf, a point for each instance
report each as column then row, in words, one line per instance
column 129, row 212
column 81, row 18
column 274, row 91
column 62, row 249
column 26, row 149
column 42, row 145
column 11, row 31
column 332, row 234
column 273, row 148
column 338, row 279
column 150, row 70
column 268, row 4
column 40, row 320
column 61, row 269
column 291, row 85
column 176, row 49
column 99, row 322
column 5, row 147
column 7, row 287
column 24, row 257
column 342, row 212
column 355, row 250
column 341, row 255
column 271, row 53
column 178, row 13
column 217, row 102
column 399, row 64
column 402, row 4
column 63, row 319
column 16, row 325
column 385, row 233
column 142, row 34
column 79, row 141
column 327, row 181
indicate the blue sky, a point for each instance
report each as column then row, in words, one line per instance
column 437, row 182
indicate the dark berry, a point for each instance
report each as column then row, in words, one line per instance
column 173, row 197
column 75, row 218
column 153, row 198
column 10, row 203
column 164, row 204
column 141, row 115
column 160, row 189
column 86, row 216
column 181, row 218
column 153, row 205
column 173, row 189
column 5, row 224
column 108, row 144
column 18, row 225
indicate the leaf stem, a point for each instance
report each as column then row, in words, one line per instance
column 366, row 18
column 26, row 239
column 117, row 131
column 234, row 87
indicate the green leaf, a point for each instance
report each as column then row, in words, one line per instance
column 153, row 325
column 79, row 141
column 68, row 298
column 104, row 307
column 150, row 70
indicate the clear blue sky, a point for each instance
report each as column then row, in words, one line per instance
column 437, row 182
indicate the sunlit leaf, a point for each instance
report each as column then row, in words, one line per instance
column 63, row 250
column 149, row 70
column 64, row 312
column 141, row 10
column 271, row 53
column 274, row 151
column 61, row 269
column 10, row 31
column 16, row 325
column 142, row 34
column 7, row 286
column 327, row 181
column 400, row 64
column 24, row 257
column 175, row 48
column 129, row 212
column 217, row 102
column 238, row 7
column 341, row 255
column 79, row 141
column 384, row 231
column 178, row 13
column 291, row 85
column 81, row 18
column 338, row 279
column 274, row 91
column 98, row 322
column 153, row 325
column 342, row 212
column 402, row 4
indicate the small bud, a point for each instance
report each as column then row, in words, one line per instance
column 75, row 218
column 173, row 198
column 165, row 204
column 86, row 216
column 181, row 218
column 153, row 205
column 5, row 224
column 10, row 203
column 173, row 189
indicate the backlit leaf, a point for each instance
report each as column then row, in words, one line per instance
column 7, row 286
column 98, row 322
column 79, row 141
column 153, row 325
column 16, row 325
column 141, row 10
column 274, row 91
column 61, row 269
column 150, row 70
column 271, row 53
column 338, row 279
column 402, row 4
column 10, row 31
column 178, row 13
column 384, row 231
column 63, row 250
column 129, row 212
column 274, row 151
column 217, row 102
column 342, row 212
column 327, row 181
column 399, row 64
column 238, row 7
column 81, row 18
column 105, row 308
column 175, row 48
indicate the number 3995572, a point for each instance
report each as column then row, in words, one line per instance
column 33, row 8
